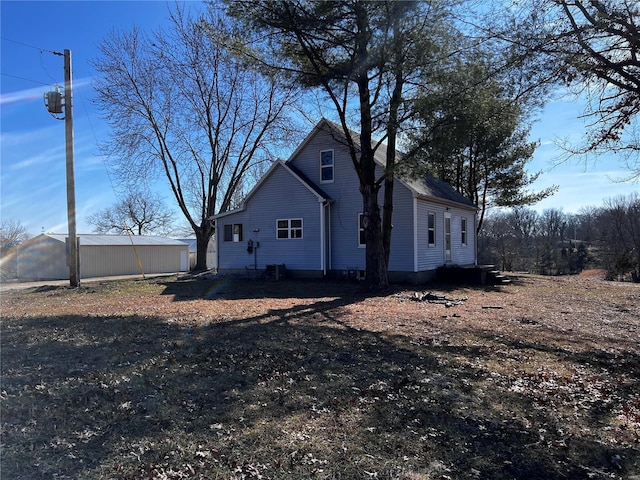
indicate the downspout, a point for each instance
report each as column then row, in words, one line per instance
column 330, row 259
column 475, row 238
column 217, row 240
column 415, row 234
column 323, row 239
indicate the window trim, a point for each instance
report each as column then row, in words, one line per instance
column 463, row 231
column 229, row 232
column 431, row 230
column 327, row 167
column 289, row 229
column 361, row 231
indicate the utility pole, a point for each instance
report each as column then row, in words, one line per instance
column 74, row 276
column 53, row 103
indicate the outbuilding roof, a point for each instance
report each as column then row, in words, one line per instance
column 113, row 240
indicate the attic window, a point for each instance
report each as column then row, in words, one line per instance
column 326, row 166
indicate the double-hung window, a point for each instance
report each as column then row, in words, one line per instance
column 361, row 238
column 233, row 232
column 431, row 229
column 326, row 166
column 463, row 230
column 289, row 228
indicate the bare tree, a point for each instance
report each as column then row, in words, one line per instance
column 140, row 213
column 622, row 236
column 181, row 106
column 12, row 233
column 593, row 47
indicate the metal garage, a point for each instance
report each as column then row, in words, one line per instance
column 44, row 257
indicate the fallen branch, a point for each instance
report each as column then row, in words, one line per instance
column 435, row 298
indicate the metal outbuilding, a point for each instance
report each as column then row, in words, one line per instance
column 45, row 257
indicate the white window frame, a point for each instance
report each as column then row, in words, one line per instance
column 328, row 167
column 448, row 240
column 361, row 232
column 463, row 231
column 431, row 215
column 292, row 233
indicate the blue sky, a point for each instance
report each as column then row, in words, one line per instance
column 32, row 146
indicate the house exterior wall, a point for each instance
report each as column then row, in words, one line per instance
column 43, row 258
column 281, row 193
column 431, row 257
column 463, row 254
column 346, row 254
column 402, row 241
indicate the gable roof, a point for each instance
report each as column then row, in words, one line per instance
column 426, row 187
column 113, row 240
column 294, row 172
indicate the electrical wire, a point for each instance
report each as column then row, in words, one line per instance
column 5, row 39
column 41, row 50
column 23, row 78
column 95, row 137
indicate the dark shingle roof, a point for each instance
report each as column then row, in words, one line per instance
column 434, row 188
column 308, row 182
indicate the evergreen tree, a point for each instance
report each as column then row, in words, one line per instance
column 474, row 136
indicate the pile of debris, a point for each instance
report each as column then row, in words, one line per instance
column 436, row 298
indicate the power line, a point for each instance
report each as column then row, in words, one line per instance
column 31, row 46
column 95, row 137
column 23, row 78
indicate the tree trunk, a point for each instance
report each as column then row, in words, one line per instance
column 203, row 235
column 376, row 267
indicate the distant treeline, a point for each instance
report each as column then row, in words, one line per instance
column 557, row 243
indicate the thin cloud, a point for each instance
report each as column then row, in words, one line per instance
column 37, row 93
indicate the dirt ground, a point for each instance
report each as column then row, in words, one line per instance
column 227, row 378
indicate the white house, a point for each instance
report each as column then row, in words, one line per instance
column 306, row 213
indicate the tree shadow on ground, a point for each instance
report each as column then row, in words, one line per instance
column 292, row 393
column 236, row 288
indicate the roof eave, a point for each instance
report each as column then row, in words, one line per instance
column 444, row 201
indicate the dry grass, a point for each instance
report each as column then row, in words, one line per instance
column 170, row 379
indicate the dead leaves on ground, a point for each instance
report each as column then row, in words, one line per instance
column 164, row 383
